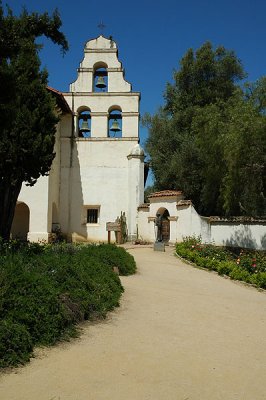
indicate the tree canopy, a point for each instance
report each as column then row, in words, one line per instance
column 209, row 138
column 27, row 109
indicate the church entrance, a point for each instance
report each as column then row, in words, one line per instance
column 165, row 224
column 21, row 222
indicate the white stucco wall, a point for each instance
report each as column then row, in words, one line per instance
column 100, row 104
column 135, row 191
column 145, row 226
column 190, row 223
column 239, row 234
column 36, row 198
column 101, row 177
column 95, row 171
column 20, row 225
column 42, row 199
column 109, row 57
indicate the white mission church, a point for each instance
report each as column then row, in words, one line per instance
column 98, row 172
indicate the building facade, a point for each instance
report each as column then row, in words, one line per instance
column 98, row 171
column 180, row 219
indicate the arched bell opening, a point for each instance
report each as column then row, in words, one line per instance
column 21, row 222
column 100, row 78
column 165, row 224
column 115, row 123
column 84, row 123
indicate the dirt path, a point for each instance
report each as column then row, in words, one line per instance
column 180, row 334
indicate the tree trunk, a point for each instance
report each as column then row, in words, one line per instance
column 8, row 198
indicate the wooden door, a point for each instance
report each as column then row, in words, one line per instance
column 165, row 230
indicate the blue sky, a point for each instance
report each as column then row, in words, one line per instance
column 152, row 36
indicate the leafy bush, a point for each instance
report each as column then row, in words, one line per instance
column 259, row 279
column 15, row 343
column 225, row 267
column 114, row 257
column 239, row 274
column 46, row 289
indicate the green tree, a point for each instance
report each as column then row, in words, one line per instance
column 27, row 117
column 244, row 147
column 190, row 138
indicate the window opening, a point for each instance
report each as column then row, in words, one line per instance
column 115, row 124
column 100, row 82
column 92, row 215
column 85, row 124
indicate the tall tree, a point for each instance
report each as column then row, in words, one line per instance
column 27, row 118
column 189, row 138
column 244, row 145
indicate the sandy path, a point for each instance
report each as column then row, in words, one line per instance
column 180, row 334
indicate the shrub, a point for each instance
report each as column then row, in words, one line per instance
column 225, row 267
column 239, row 264
column 15, row 343
column 114, row 257
column 31, row 299
column 239, row 274
column 46, row 289
column 211, row 264
column 259, row 279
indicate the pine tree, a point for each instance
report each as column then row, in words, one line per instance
column 27, row 117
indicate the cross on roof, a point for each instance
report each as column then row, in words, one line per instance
column 101, row 26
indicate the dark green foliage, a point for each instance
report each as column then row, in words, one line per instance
column 147, row 192
column 243, row 265
column 116, row 257
column 46, row 289
column 239, row 274
column 259, row 279
column 27, row 109
column 209, row 139
column 15, row 343
column 224, row 268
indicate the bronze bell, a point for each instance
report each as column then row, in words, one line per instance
column 84, row 126
column 115, row 126
column 100, row 82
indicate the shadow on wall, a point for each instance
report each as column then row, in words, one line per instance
column 77, row 215
column 263, row 242
column 242, row 237
column 21, row 221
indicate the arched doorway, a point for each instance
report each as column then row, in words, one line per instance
column 165, row 224
column 21, row 222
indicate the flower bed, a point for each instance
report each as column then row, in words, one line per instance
column 244, row 265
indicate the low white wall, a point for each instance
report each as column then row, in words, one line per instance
column 145, row 226
column 239, row 234
column 190, row 223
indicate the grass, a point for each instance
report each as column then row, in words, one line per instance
column 45, row 290
column 239, row 264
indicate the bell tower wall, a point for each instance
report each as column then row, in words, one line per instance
column 99, row 181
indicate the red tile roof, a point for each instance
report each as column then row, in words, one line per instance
column 166, row 193
column 144, row 205
column 60, row 99
column 239, row 219
column 184, row 203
